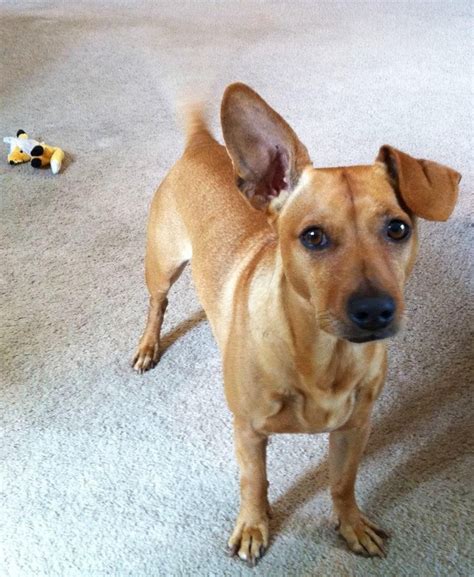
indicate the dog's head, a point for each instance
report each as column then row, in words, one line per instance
column 347, row 235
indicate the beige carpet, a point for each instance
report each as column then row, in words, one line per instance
column 106, row 473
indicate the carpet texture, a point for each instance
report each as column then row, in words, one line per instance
column 104, row 472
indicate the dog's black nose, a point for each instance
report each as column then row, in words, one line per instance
column 371, row 313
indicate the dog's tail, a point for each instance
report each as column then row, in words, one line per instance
column 195, row 124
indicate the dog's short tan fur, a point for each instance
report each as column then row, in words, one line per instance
column 277, row 309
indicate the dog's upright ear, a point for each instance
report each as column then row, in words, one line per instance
column 428, row 189
column 267, row 155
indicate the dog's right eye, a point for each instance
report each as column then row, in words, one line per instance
column 314, row 238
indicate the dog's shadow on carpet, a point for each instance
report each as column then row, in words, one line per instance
column 180, row 330
column 434, row 456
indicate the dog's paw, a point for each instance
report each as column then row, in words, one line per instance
column 250, row 539
column 146, row 357
column 363, row 536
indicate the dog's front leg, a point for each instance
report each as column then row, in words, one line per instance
column 250, row 537
column 345, row 450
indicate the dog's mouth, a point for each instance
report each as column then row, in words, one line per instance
column 369, row 336
column 353, row 334
column 366, row 339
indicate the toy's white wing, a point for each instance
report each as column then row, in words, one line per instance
column 25, row 144
column 11, row 140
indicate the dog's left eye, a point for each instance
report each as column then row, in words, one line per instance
column 397, row 230
column 314, row 238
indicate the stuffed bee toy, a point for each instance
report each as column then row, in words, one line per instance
column 39, row 154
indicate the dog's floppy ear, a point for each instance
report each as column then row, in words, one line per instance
column 267, row 155
column 428, row 189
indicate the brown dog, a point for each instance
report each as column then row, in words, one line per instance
column 301, row 275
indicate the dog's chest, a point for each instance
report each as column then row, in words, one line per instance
column 291, row 411
column 320, row 401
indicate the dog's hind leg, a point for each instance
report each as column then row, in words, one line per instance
column 168, row 251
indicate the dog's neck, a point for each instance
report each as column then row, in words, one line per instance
column 290, row 325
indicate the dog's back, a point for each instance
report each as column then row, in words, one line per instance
column 220, row 225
